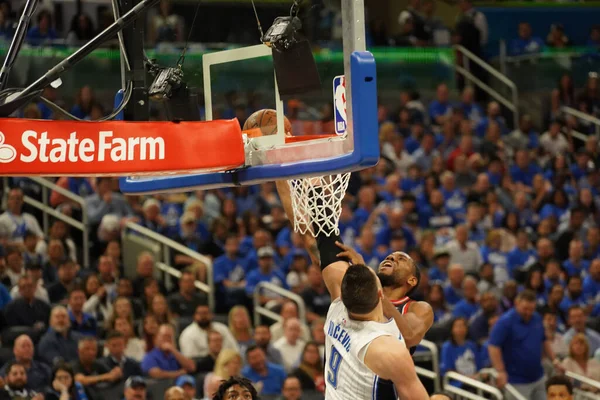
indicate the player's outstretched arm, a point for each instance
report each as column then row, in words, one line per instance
column 322, row 250
column 389, row 359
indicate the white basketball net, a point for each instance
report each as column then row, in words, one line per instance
column 317, row 203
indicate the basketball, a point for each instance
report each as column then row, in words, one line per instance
column 266, row 120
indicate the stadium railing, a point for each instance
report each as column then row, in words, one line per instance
column 579, row 393
column 432, row 355
column 48, row 211
column 582, row 116
column 508, row 387
column 479, row 387
column 260, row 310
column 468, row 57
column 167, row 248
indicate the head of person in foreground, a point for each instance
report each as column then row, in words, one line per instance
column 236, row 388
column 361, row 292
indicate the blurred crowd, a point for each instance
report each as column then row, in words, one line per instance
column 490, row 211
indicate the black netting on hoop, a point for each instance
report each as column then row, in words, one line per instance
column 317, row 203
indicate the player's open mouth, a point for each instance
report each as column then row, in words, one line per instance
column 386, row 264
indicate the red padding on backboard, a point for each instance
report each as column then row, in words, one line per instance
column 52, row 148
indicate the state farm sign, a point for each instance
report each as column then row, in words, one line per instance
column 54, row 148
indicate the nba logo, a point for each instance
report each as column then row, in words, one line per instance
column 339, row 104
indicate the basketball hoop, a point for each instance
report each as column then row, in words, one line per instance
column 317, row 203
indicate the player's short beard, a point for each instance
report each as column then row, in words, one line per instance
column 387, row 280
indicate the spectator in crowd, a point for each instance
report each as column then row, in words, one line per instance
column 185, row 302
column 516, row 345
column 187, row 383
column 63, row 385
column 526, row 43
column 579, row 360
column 289, row 309
column 81, row 322
column 464, row 252
column 193, row 341
column 576, row 319
column 98, row 304
column 80, row 186
column 290, row 345
column 144, row 270
column 315, row 295
column 230, row 273
column 44, row 31
column 479, row 322
column 105, row 202
column 27, row 310
column 215, row 346
column 559, row 387
column 38, row 373
column 14, row 223
column 175, row 393
column 553, row 142
column 551, row 329
column 453, row 290
column 234, row 388
column 166, row 26
column 469, row 305
column 262, row 339
column 34, row 272
column 292, row 389
column 60, row 342
column 557, row 37
column 267, row 271
column 228, row 364
column 89, row 371
column 67, row 280
column 115, row 344
column 267, row 376
column 15, row 386
column 134, row 346
column 310, row 371
column 135, row 388
column 460, row 354
column 165, row 361
column 211, row 385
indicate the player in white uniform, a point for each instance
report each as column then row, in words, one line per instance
column 362, row 344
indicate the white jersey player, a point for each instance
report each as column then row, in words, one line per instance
column 362, row 344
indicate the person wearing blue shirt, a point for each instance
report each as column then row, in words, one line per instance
column 43, row 32
column 591, row 283
column 516, row 345
column 525, row 43
column 81, row 322
column 412, row 142
column 493, row 114
column 435, row 215
column 425, row 154
column 439, row 270
column 472, row 111
column 468, row 306
column 459, row 354
column 440, row 109
column 265, row 272
column 260, row 371
column 574, row 295
column 576, row 264
column 492, row 254
column 523, row 171
column 522, row 254
column 479, row 324
column 229, row 274
column 577, row 322
column 165, row 361
column 395, row 224
column 453, row 288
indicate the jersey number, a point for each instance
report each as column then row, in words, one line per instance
column 335, row 359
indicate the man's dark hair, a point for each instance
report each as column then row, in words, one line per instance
column 251, row 348
column 11, row 364
column 114, row 335
column 234, row 380
column 359, row 289
column 574, row 307
column 560, row 380
column 527, row 295
column 573, row 277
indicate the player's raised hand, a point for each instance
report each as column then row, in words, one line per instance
column 350, row 254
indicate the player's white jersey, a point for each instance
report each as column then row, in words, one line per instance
column 346, row 343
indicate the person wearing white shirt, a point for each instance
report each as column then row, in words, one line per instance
column 464, row 252
column 14, row 223
column 34, row 271
column 289, row 309
column 290, row 345
column 553, row 141
column 193, row 341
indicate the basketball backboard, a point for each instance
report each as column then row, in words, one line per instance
column 272, row 157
